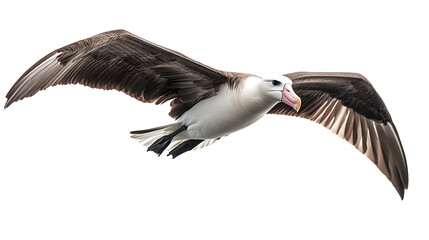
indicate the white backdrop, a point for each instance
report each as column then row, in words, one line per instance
column 69, row 170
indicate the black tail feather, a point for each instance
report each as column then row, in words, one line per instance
column 146, row 130
column 162, row 143
column 184, row 147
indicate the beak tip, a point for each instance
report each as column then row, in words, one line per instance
column 298, row 105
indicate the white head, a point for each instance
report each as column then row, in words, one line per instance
column 279, row 88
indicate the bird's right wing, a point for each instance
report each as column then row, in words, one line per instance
column 125, row 62
column 348, row 105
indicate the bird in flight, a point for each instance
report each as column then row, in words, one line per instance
column 208, row 104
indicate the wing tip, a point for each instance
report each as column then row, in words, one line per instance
column 400, row 175
column 9, row 100
column 7, row 104
column 398, row 182
column 401, row 191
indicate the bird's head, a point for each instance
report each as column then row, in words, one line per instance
column 280, row 89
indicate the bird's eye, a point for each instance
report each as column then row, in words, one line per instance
column 275, row 82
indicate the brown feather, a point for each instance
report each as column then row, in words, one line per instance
column 360, row 117
column 123, row 61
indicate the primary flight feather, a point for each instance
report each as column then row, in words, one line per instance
column 208, row 104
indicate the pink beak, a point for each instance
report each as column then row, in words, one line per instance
column 290, row 98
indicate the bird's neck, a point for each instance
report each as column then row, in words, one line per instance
column 252, row 98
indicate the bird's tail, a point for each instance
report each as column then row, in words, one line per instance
column 148, row 136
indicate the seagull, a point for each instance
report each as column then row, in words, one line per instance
column 208, row 104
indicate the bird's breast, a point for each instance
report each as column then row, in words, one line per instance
column 221, row 115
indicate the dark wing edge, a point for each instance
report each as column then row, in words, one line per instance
column 348, row 105
column 123, row 61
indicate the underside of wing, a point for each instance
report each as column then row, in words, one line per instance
column 348, row 105
column 125, row 62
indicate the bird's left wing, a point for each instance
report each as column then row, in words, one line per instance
column 348, row 105
column 123, row 61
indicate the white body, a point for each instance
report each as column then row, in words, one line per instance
column 229, row 111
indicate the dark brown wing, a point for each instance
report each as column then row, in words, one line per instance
column 125, row 62
column 348, row 105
